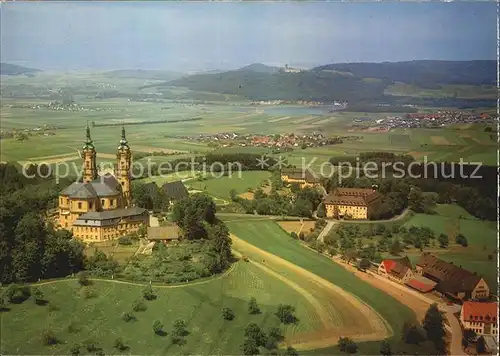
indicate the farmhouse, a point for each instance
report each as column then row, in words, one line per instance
column 480, row 316
column 452, row 280
column 175, row 190
column 303, row 177
column 352, row 203
column 397, row 270
column 165, row 234
column 99, row 208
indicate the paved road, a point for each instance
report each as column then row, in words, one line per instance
column 326, row 230
column 400, row 216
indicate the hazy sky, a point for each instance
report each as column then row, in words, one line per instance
column 202, row 36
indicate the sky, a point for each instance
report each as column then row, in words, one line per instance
column 197, row 36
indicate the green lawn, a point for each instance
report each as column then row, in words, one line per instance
column 268, row 236
column 220, row 187
column 99, row 318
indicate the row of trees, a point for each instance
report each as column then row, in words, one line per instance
column 30, row 249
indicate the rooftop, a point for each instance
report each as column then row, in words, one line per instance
column 480, row 311
column 106, row 185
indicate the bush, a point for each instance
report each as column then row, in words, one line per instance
column 179, row 328
column 347, row 345
column 253, row 308
column 75, row 350
column 227, row 314
column 158, row 327
column 119, row 345
column 139, row 305
column 73, row 328
column 38, row 296
column 128, row 317
column 49, row 338
column 89, row 293
column 293, row 234
column 125, row 240
column 148, row 294
column 83, row 278
column 461, row 240
column 17, row 294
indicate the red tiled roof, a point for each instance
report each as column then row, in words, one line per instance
column 420, row 285
column 389, row 265
column 477, row 311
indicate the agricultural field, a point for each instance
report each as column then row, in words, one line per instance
column 220, row 187
column 269, row 237
column 76, row 320
column 446, row 91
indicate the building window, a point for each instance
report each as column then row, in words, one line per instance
column 90, row 205
column 79, row 205
column 102, row 202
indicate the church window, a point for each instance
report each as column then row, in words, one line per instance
column 102, row 202
column 90, row 205
column 112, row 202
column 79, row 205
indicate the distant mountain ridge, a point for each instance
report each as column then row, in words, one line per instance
column 353, row 82
column 14, row 69
column 422, row 72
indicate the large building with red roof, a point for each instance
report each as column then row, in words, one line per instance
column 482, row 317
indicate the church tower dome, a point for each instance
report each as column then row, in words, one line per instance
column 89, row 159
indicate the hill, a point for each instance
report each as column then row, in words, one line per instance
column 426, row 73
column 260, row 68
column 14, row 69
column 255, row 85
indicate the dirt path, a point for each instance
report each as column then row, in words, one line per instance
column 365, row 324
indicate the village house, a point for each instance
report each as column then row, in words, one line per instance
column 352, row 203
column 303, row 177
column 480, row 316
column 452, row 281
column 397, row 270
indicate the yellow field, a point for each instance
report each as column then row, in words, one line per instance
column 297, row 226
column 439, row 140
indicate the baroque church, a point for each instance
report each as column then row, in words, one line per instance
column 100, row 207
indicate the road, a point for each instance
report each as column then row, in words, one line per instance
column 326, row 230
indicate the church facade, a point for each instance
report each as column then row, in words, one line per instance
column 100, row 207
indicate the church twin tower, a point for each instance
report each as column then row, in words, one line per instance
column 122, row 168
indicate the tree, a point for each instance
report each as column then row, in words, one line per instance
column 220, row 243
column 480, row 345
column 415, row 200
column 290, row 351
column 412, row 334
column 385, row 348
column 120, row 345
column 128, row 317
column 468, row 337
column 434, row 326
column 250, row 347
column 321, row 212
column 227, row 314
column 285, row 314
column 347, row 345
column 38, row 296
column 179, row 328
column 274, row 337
column 138, row 305
column 157, row 327
column 253, row 308
column 148, row 294
column 443, row 240
column 461, row 240
column 364, row 264
column 83, row 278
column 253, row 332
column 395, row 247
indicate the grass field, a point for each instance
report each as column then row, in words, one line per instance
column 120, row 253
column 271, row 238
column 220, row 187
column 99, row 318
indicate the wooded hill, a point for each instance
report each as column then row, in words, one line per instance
column 352, row 82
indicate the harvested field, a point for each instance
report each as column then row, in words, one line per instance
column 439, row 140
column 418, row 155
column 297, row 226
column 340, row 312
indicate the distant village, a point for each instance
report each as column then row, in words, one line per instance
column 427, row 120
column 278, row 141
